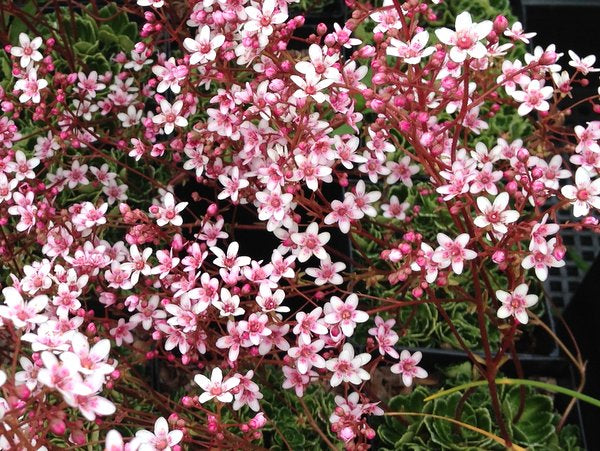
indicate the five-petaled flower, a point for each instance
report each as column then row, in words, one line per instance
column 170, row 116
column 584, row 194
column 407, row 367
column 345, row 313
column 516, row 303
column 348, row 368
column 216, row 387
column 466, row 39
column 453, row 252
column 28, row 50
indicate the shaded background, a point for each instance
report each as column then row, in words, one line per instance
column 574, row 25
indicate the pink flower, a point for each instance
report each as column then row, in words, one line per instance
column 542, row 258
column 343, row 214
column 21, row 313
column 122, row 332
column 203, row 47
column 311, row 86
column 227, row 304
column 307, row 323
column 395, row 209
column 169, row 211
column 28, row 51
column 516, row 303
column 348, row 368
column 138, row 263
column 256, row 328
column 495, row 215
column 412, row 52
column 85, row 359
column 88, row 84
column 583, row 65
column 465, row 40
column 22, row 167
column 76, row 175
column 402, row 170
column 310, row 242
column 584, row 194
column 385, row 336
column 231, row 259
column 327, row 272
column 90, row 404
column 408, row 368
column 233, row 184
column 296, row 380
column 232, row 341
column 453, row 252
column 215, row 387
column 30, row 87
column 345, row 314
column 310, row 171
column 552, row 170
column 170, row 116
column 516, row 33
column 162, row 438
column 321, row 63
column 114, row 441
column 534, row 97
column 273, row 205
column 539, row 232
column 262, row 20
column 269, row 301
column 306, row 355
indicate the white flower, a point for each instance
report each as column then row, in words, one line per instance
column 583, row 65
column 347, row 368
column 345, row 314
column 584, row 194
column 311, row 85
column 169, row 115
column 534, row 97
column 203, row 47
column 412, row 52
column 161, row 439
column 30, row 87
column 153, row 3
column 495, row 215
column 310, row 243
column 465, row 40
column 215, row 387
column 515, row 303
column 28, row 50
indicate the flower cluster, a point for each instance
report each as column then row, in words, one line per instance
column 123, row 193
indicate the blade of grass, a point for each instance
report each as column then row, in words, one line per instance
column 508, row 381
column 483, row 432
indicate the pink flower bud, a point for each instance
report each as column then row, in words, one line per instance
column 500, row 24
column 523, row 155
column 58, row 426
column 78, row 437
column 346, row 434
column 258, row 421
column 512, row 187
column 559, row 252
column 22, row 392
column 212, row 209
column 499, row 256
